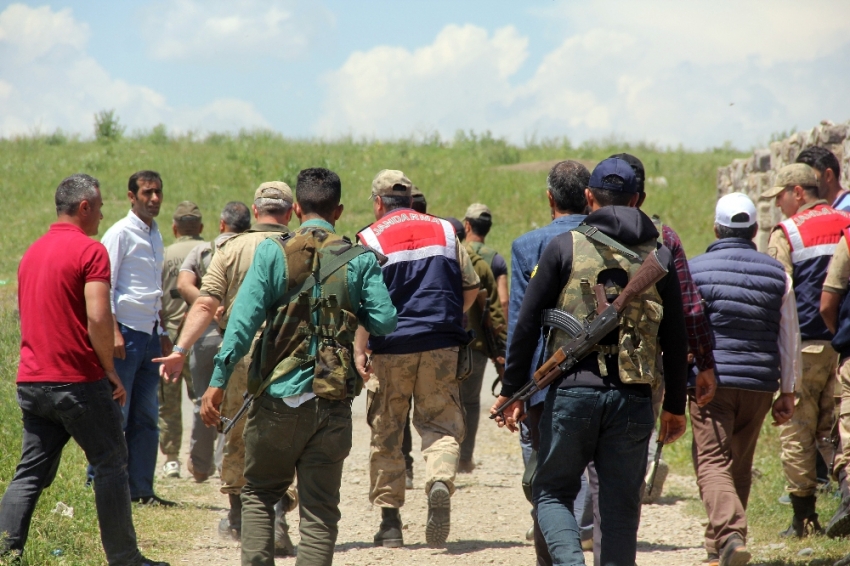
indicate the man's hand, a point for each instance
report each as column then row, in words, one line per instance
column 210, row 403
column 165, row 344
column 219, row 314
column 513, row 413
column 672, row 427
column 706, row 387
column 172, row 366
column 119, row 351
column 118, row 391
column 783, row 409
column 363, row 363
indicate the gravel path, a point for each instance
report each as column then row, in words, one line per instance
column 489, row 513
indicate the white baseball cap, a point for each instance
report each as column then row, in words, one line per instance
column 732, row 205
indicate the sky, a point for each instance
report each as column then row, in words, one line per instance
column 690, row 74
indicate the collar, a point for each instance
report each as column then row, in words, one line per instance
column 567, row 218
column 268, row 227
column 138, row 223
column 812, row 204
column 727, row 243
column 187, row 238
column 66, row 227
column 318, row 223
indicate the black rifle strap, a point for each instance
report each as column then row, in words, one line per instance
column 594, row 234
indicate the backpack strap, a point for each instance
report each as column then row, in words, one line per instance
column 593, row 233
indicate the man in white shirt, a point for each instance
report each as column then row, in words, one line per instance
column 136, row 256
column 752, row 309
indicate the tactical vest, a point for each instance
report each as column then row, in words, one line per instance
column 637, row 344
column 300, row 316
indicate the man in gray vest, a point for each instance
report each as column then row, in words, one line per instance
column 752, row 309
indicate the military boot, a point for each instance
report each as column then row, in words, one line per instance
column 282, row 543
column 231, row 526
column 839, row 525
column 438, row 523
column 805, row 520
column 389, row 534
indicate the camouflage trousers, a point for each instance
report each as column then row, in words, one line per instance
column 429, row 379
column 809, row 429
column 170, row 413
column 842, row 457
column 233, row 463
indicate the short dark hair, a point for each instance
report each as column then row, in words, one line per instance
column 318, row 191
column 188, row 225
column 419, row 204
column 144, row 175
column 566, row 182
column 637, row 166
column 604, row 197
column 74, row 190
column 236, row 216
column 392, row 202
column 821, row 159
column 747, row 233
column 480, row 226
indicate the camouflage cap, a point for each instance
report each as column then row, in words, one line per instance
column 791, row 176
column 274, row 190
column 391, row 183
column 415, row 192
column 186, row 209
column 477, row 210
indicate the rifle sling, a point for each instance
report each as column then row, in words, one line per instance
column 599, row 237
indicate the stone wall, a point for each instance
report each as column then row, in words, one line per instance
column 756, row 173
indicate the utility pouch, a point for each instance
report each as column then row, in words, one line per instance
column 639, row 342
column 334, row 376
column 464, row 357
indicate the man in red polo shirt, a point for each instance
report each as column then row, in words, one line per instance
column 67, row 385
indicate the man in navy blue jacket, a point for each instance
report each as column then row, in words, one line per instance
column 752, row 310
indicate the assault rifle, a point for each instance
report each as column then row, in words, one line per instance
column 654, row 468
column 492, row 341
column 592, row 332
column 230, row 423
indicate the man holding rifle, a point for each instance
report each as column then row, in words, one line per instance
column 599, row 407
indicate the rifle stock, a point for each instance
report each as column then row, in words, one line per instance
column 230, row 423
column 650, row 272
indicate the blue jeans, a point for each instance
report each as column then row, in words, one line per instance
column 52, row 415
column 140, row 377
column 611, row 428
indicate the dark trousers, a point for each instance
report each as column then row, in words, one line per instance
column 470, row 397
column 52, row 415
column 611, row 428
column 313, row 439
column 202, row 364
column 725, row 435
column 140, row 377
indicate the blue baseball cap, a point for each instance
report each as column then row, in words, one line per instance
column 614, row 174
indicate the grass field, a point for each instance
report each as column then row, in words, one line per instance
column 452, row 175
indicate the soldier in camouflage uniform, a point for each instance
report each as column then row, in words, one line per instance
column 470, row 388
column 432, row 283
column 272, row 209
column 477, row 222
column 601, row 409
column 235, row 219
column 312, row 288
column 187, row 226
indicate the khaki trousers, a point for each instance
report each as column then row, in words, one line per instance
column 809, row 429
column 429, row 378
column 725, row 435
column 842, row 456
column 233, row 463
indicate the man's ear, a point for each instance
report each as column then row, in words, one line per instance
column 298, row 212
column 174, row 229
column 338, row 211
column 221, row 226
column 634, row 200
column 131, row 196
column 255, row 211
column 799, row 193
column 84, row 209
column 588, row 196
column 550, row 198
column 641, row 199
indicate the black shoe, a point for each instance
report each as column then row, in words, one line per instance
column 439, row 515
column 282, row 543
column 839, row 525
column 153, row 501
column 389, row 533
column 231, row 526
column 805, row 519
column 735, row 552
column 149, row 562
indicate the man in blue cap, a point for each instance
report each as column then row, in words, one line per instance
column 601, row 409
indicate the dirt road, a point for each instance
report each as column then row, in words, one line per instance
column 489, row 513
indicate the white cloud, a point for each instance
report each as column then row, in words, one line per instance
column 49, row 81
column 216, row 30
column 669, row 72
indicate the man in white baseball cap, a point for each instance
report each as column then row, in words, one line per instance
column 752, row 310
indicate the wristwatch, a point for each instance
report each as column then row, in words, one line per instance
column 179, row 350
